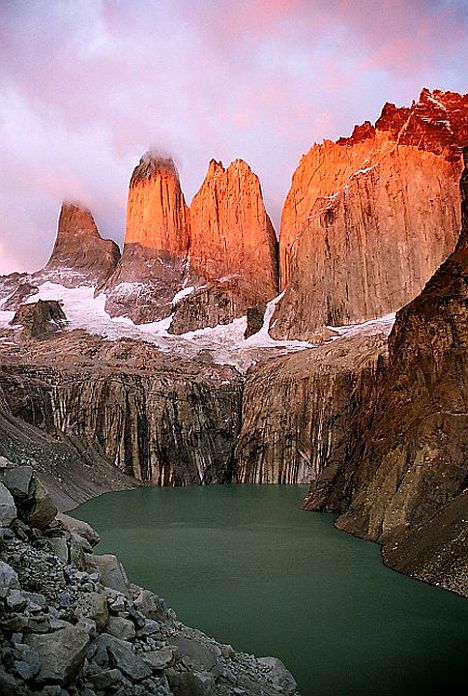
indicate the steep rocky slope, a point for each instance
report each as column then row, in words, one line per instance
column 80, row 255
column 296, row 409
column 156, row 417
column 369, row 218
column 72, row 624
column 72, row 469
column 403, row 479
column 216, row 259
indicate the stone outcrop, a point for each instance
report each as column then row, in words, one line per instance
column 70, row 622
column 159, row 418
column 21, row 293
column 72, row 469
column 224, row 248
column 80, row 256
column 157, row 215
column 402, row 480
column 153, row 267
column 39, row 319
column 296, row 409
column 233, row 247
column 369, row 218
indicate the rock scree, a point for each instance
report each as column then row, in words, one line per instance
column 72, row 624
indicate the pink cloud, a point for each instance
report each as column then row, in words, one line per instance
column 86, row 87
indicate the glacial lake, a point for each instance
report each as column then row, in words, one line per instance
column 247, row 566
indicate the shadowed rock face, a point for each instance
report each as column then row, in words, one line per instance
column 368, row 219
column 403, row 479
column 159, row 418
column 40, row 319
column 80, row 255
column 296, row 409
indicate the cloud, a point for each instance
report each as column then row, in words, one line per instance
column 86, row 88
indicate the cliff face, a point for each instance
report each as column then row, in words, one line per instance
column 224, row 247
column 369, row 218
column 404, row 477
column 231, row 233
column 153, row 265
column 72, row 470
column 296, row 409
column 80, row 255
column 157, row 215
column 160, row 419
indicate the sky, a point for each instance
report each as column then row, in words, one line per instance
column 87, row 86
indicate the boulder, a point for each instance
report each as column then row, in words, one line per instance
column 121, row 628
column 279, row 675
column 28, row 664
column 152, row 606
column 162, row 658
column 197, row 653
column 59, row 547
column 191, row 683
column 111, row 572
column 82, row 528
column 93, row 605
column 42, row 510
column 8, row 577
column 8, row 510
column 18, row 481
column 61, row 653
column 120, row 654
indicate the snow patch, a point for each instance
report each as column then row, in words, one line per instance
column 181, row 294
column 368, row 328
column 225, row 342
column 364, row 171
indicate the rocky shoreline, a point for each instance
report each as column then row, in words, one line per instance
column 72, row 624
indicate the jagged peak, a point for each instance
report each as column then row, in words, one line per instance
column 153, row 164
column 72, row 204
column 240, row 165
column 73, row 217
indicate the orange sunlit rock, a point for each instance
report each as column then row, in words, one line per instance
column 369, row 218
column 231, row 233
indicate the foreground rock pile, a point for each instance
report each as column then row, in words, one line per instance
column 71, row 623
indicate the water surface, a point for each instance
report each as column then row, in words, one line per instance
column 247, row 566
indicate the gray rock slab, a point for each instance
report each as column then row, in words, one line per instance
column 121, row 656
column 8, row 511
column 18, row 481
column 61, row 653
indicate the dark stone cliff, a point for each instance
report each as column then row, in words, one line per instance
column 403, row 480
column 157, row 418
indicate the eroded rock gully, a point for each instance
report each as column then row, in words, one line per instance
column 157, row 418
column 403, row 480
column 295, row 409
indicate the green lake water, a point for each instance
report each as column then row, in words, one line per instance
column 247, row 566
